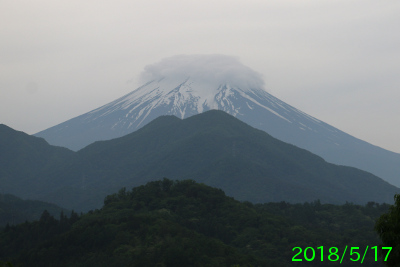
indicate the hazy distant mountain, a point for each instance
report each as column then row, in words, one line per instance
column 213, row 148
column 184, row 96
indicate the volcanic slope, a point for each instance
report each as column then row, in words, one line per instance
column 240, row 93
column 213, row 148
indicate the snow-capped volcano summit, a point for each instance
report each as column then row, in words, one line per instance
column 187, row 85
column 180, row 85
column 180, row 98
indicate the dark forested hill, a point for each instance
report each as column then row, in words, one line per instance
column 213, row 148
column 220, row 150
column 14, row 210
column 183, row 223
column 23, row 159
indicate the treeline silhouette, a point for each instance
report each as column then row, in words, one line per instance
column 184, row 223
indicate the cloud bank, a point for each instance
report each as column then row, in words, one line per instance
column 215, row 69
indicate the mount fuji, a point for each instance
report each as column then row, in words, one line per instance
column 187, row 85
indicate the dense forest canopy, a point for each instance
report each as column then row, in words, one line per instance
column 184, row 223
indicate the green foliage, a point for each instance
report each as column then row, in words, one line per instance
column 388, row 228
column 184, row 223
column 21, row 240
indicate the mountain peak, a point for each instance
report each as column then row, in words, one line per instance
column 184, row 86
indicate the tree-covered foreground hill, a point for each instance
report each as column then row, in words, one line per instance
column 184, row 223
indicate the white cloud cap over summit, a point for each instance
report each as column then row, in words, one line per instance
column 215, row 69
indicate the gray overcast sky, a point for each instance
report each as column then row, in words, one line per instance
column 337, row 60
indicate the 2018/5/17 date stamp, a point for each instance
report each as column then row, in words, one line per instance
column 355, row 254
